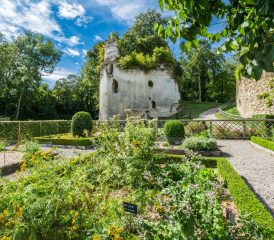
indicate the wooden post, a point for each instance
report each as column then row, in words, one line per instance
column 210, row 129
column 19, row 131
column 244, row 126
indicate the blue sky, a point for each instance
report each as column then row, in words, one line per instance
column 74, row 25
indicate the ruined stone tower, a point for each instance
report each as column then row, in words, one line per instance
column 151, row 94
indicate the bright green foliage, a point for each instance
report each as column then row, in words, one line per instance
column 64, row 139
column 200, row 144
column 24, row 60
column 248, row 29
column 162, row 55
column 146, row 62
column 81, row 124
column 142, row 37
column 174, row 129
column 266, row 143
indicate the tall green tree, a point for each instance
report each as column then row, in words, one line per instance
column 36, row 57
column 249, row 29
column 142, row 36
column 207, row 76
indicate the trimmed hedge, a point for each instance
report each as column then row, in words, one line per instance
column 263, row 142
column 20, row 130
column 81, row 122
column 84, row 142
column 245, row 200
column 174, row 129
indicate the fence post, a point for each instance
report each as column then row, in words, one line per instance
column 244, row 126
column 210, row 129
column 19, row 131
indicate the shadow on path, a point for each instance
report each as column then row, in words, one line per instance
column 258, row 196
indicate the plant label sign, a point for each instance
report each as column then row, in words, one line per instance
column 129, row 207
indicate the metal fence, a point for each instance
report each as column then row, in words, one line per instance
column 219, row 129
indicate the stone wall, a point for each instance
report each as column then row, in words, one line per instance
column 248, row 90
column 153, row 94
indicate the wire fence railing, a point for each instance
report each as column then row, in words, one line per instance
column 219, row 129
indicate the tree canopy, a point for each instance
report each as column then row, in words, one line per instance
column 249, row 29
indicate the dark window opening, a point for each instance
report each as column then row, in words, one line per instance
column 115, row 86
column 110, row 69
column 153, row 104
column 150, row 83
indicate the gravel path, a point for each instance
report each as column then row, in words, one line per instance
column 255, row 166
column 209, row 114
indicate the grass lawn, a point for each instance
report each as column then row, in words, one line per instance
column 195, row 108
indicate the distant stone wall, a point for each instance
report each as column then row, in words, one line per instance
column 248, row 90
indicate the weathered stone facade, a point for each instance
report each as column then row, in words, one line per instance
column 152, row 94
column 248, row 90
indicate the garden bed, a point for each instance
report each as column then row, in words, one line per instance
column 182, row 197
column 64, row 139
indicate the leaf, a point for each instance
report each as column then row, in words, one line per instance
column 161, row 4
column 195, row 43
column 258, row 71
column 245, row 24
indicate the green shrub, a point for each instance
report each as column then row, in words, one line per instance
column 266, row 143
column 174, row 131
column 162, row 55
column 200, row 144
column 81, row 124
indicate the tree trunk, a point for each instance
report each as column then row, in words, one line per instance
column 200, row 89
column 19, row 104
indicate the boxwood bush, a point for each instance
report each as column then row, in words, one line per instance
column 200, row 144
column 81, row 124
column 266, row 143
column 174, row 131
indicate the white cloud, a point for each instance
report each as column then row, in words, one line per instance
column 85, row 52
column 71, row 11
column 56, row 75
column 15, row 16
column 38, row 16
column 98, row 38
column 124, row 10
column 74, row 40
column 72, row 52
column 74, row 11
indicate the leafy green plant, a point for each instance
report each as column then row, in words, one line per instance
column 2, row 146
column 81, row 124
column 200, row 144
column 174, row 131
column 30, row 147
